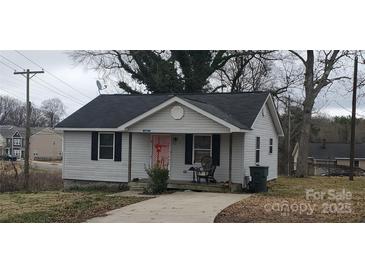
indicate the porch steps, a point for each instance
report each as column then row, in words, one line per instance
column 198, row 187
column 137, row 186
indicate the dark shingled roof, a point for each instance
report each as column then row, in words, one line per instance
column 334, row 150
column 7, row 131
column 111, row 111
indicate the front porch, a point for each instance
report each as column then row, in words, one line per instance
column 180, row 151
column 184, row 185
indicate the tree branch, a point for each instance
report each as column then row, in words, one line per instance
column 299, row 56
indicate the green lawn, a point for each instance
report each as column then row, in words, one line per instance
column 59, row 206
column 286, row 201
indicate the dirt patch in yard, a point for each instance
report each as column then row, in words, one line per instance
column 314, row 199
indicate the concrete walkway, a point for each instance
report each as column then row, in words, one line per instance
column 179, row 207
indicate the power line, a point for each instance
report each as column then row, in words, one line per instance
column 7, row 59
column 52, row 88
column 11, row 94
column 17, row 90
column 348, row 110
column 50, row 73
column 11, row 68
column 13, row 84
column 56, row 90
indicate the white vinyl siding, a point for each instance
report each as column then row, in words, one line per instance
column 237, row 157
column 141, row 154
column 191, row 122
column 79, row 166
column 179, row 171
column 265, row 129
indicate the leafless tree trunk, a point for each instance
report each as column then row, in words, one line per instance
column 314, row 82
column 15, row 170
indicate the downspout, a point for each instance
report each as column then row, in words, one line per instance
column 230, row 163
column 129, row 157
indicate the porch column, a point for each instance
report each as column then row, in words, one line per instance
column 230, row 162
column 129, row 157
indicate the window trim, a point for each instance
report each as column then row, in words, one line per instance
column 110, row 133
column 210, row 149
column 257, row 149
column 271, row 145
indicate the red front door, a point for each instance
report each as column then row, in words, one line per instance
column 161, row 150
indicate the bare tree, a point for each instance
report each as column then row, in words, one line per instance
column 11, row 111
column 269, row 71
column 318, row 66
column 37, row 118
column 53, row 110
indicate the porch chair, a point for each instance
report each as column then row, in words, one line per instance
column 207, row 170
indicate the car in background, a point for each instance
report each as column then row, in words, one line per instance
column 8, row 158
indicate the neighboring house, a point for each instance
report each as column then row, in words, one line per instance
column 12, row 140
column 46, row 145
column 114, row 137
column 327, row 156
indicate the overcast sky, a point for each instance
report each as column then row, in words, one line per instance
column 81, row 86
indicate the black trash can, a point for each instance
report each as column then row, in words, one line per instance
column 258, row 178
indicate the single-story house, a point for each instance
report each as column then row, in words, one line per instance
column 46, row 145
column 114, row 137
column 325, row 156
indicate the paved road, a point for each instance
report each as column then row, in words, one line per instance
column 49, row 166
column 179, row 207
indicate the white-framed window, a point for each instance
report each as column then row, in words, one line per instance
column 271, row 145
column 106, row 146
column 17, row 153
column 257, row 150
column 17, row 141
column 202, row 146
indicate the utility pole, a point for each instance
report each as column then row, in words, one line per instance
column 353, row 120
column 289, row 133
column 28, row 74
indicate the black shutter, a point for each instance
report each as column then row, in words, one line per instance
column 94, row 145
column 216, row 149
column 188, row 149
column 118, row 147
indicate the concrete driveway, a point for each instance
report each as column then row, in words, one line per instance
column 179, row 207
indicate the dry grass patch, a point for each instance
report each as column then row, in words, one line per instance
column 286, row 202
column 12, row 178
column 57, row 206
